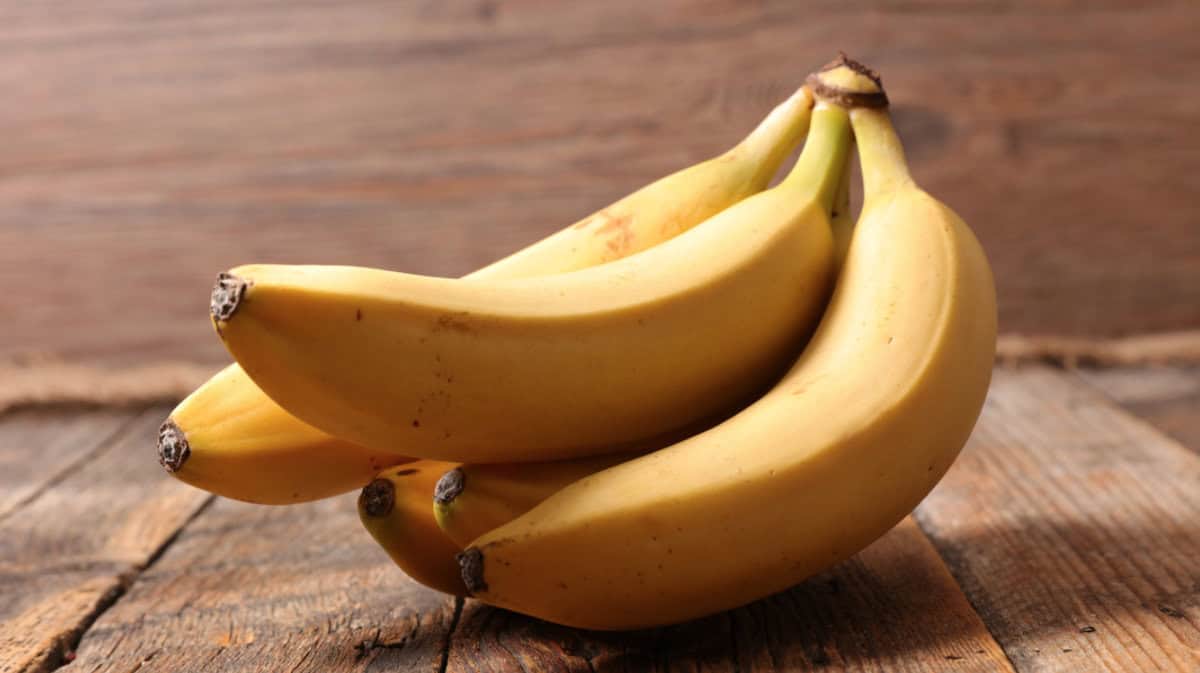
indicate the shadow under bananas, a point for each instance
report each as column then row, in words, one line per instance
column 893, row 601
column 885, row 602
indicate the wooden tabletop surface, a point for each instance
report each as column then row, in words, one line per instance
column 1065, row 538
column 149, row 145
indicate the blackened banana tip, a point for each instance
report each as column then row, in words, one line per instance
column 227, row 296
column 449, row 486
column 470, row 562
column 173, row 447
column 377, row 498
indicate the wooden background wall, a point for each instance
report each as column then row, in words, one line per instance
column 148, row 144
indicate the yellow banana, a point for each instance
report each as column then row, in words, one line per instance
column 230, row 438
column 470, row 500
column 394, row 508
column 844, row 446
column 669, row 206
column 842, row 222
column 548, row 367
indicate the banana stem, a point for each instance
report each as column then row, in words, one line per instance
column 841, row 220
column 884, row 167
column 819, row 168
column 778, row 134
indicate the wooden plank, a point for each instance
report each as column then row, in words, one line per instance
column 1072, row 528
column 303, row 588
column 1167, row 397
column 435, row 136
column 893, row 607
column 39, row 447
column 255, row 588
column 71, row 551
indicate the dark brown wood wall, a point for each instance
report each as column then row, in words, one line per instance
column 149, row 144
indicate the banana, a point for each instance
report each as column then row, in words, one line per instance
column 864, row 424
column 230, row 438
column 394, row 508
column 842, row 222
column 669, row 206
column 470, row 500
column 548, row 367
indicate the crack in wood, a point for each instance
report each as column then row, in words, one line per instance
column 98, row 448
column 734, row 656
column 62, row 650
column 459, row 601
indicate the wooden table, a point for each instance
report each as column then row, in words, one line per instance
column 1066, row 538
column 149, row 144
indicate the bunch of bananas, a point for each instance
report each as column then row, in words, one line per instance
column 695, row 397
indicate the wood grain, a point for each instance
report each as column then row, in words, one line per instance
column 304, row 589
column 255, row 588
column 1074, row 530
column 39, row 447
column 68, row 553
column 1167, row 397
column 149, row 145
column 1070, row 525
column 891, row 608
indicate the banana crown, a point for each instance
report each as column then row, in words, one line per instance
column 847, row 83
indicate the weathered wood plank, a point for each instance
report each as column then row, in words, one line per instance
column 70, row 552
column 304, row 589
column 39, row 447
column 1167, row 397
column 435, row 136
column 1074, row 529
column 252, row 588
column 891, row 608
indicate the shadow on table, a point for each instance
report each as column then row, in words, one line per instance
column 1045, row 586
column 888, row 604
column 891, row 601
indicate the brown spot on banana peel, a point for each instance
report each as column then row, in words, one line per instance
column 449, row 486
column 227, row 296
column 457, row 322
column 470, row 562
column 847, row 98
column 377, row 498
column 173, row 447
column 619, row 231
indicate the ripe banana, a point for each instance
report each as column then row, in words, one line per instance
column 470, row 500
column 843, row 447
column 230, row 438
column 668, row 206
column 842, row 222
column 548, row 367
column 394, row 508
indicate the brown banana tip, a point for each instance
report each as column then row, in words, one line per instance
column 470, row 562
column 173, row 447
column 377, row 498
column 227, row 296
column 449, row 486
column 825, row 89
